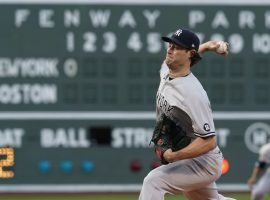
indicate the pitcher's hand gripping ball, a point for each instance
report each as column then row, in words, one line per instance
column 167, row 135
column 223, row 47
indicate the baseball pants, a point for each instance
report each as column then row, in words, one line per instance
column 194, row 178
column 262, row 187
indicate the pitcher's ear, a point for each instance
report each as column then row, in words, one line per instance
column 192, row 53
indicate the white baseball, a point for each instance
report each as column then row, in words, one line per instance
column 223, row 47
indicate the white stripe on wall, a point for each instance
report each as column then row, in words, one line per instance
column 140, row 2
column 118, row 115
column 80, row 188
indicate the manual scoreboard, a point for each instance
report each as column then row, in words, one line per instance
column 78, row 86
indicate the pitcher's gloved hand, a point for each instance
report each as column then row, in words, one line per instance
column 167, row 135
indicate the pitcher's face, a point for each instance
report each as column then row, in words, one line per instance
column 177, row 56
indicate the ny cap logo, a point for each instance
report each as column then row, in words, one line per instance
column 178, row 32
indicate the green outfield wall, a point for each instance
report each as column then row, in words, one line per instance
column 78, row 82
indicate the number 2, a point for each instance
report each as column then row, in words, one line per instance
column 7, row 161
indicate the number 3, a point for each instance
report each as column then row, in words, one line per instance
column 6, row 160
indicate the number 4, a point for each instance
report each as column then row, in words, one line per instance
column 134, row 42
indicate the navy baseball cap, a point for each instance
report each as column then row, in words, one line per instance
column 184, row 38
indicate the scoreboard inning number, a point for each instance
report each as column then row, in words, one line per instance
column 6, row 161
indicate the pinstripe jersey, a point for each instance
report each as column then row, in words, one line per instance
column 184, row 100
column 264, row 154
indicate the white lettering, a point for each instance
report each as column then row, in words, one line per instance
column 38, row 67
column 26, row 94
column 267, row 19
column 131, row 137
column 259, row 137
column 29, row 67
column 46, row 137
column 70, row 67
column 110, row 42
column 220, row 19
column 222, row 135
column 261, row 43
column 236, row 42
column 45, row 20
column 89, row 42
column 127, row 19
column 100, row 18
column 246, row 19
column 195, row 17
column 151, row 17
column 153, row 42
column 66, row 138
column 72, row 18
column 70, row 41
column 134, row 42
column 21, row 16
column 11, row 137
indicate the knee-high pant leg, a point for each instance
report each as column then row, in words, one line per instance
column 197, row 175
column 262, row 188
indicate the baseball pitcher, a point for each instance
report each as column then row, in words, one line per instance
column 184, row 137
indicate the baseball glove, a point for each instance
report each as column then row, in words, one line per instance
column 167, row 135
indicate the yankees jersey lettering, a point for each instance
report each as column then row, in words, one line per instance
column 184, row 100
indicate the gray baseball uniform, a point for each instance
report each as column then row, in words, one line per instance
column 185, row 100
column 263, row 186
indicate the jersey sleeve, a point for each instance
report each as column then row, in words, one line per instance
column 264, row 153
column 164, row 70
column 202, row 117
